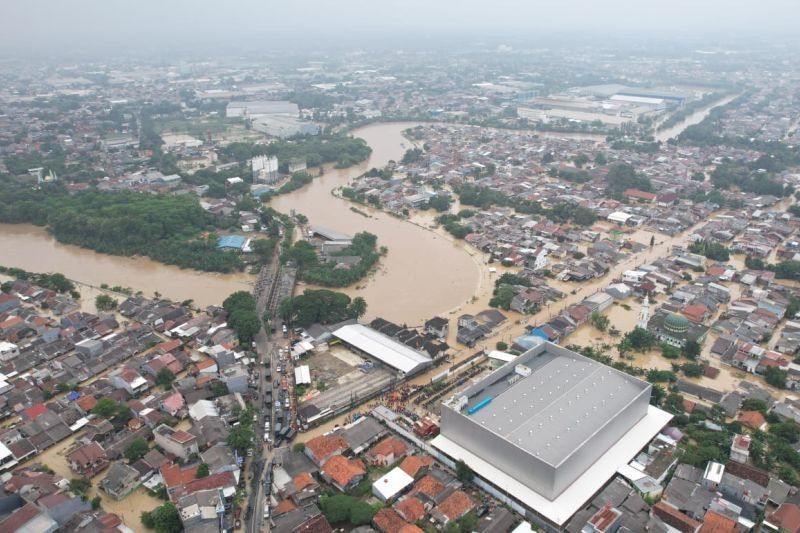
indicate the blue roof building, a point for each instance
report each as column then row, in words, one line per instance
column 231, row 242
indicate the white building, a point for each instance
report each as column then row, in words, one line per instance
column 391, row 484
column 265, row 169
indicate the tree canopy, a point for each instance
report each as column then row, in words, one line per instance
column 321, row 306
column 242, row 315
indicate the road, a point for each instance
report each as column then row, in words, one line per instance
column 266, row 349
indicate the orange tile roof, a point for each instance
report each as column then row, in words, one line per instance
column 388, row 521
column 174, row 475
column 86, row 403
column 410, row 528
column 673, row 517
column 716, row 523
column 284, row 506
column 325, row 446
column 752, row 419
column 429, row 486
column 456, row 505
column 787, row 517
column 389, row 445
column 205, row 363
column 411, row 509
column 342, row 470
column 412, row 464
column 303, row 480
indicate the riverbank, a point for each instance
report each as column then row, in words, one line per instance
column 423, row 274
column 32, row 248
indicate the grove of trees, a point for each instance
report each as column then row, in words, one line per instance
column 321, row 306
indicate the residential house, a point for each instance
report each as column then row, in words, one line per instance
column 88, row 460
column 177, row 442
column 120, row 480
column 343, row 473
column 386, row 452
column 321, row 449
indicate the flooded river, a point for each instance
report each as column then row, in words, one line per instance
column 425, row 273
column 32, row 248
column 691, row 120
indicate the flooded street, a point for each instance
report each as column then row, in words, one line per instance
column 32, row 248
column 425, row 272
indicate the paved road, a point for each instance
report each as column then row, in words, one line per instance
column 266, row 349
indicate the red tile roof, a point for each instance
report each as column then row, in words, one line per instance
column 174, row 475
column 303, row 480
column 342, row 470
column 35, row 411
column 86, row 403
column 673, row 517
column 716, row 523
column 412, row 464
column 752, row 419
column 429, row 486
column 388, row 446
column 283, row 507
column 456, row 505
column 325, row 446
column 411, row 509
column 388, row 521
column 787, row 517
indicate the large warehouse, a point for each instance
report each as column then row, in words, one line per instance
column 388, row 351
column 549, row 429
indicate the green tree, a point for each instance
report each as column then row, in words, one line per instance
column 463, row 472
column 104, row 302
column 202, row 470
column 96, row 502
column 241, row 437
column 105, row 407
column 163, row 519
column 502, row 346
column 136, row 450
column 165, row 377
column 776, row 377
column 669, row 351
column 299, row 447
column 80, row 485
column 358, row 306
column 599, row 321
column 691, row 349
column 639, row 339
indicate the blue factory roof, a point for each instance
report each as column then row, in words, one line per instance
column 231, row 241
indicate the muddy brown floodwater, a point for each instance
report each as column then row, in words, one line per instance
column 424, row 274
column 32, row 248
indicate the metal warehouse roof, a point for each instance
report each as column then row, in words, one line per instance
column 558, row 407
column 583, row 488
column 383, row 348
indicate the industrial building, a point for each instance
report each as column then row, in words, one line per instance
column 388, row 351
column 259, row 108
column 549, row 429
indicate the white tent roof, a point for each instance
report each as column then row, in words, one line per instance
column 383, row 348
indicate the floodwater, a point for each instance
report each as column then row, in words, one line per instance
column 425, row 272
column 32, row 248
column 691, row 120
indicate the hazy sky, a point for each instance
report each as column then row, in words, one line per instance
column 64, row 24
